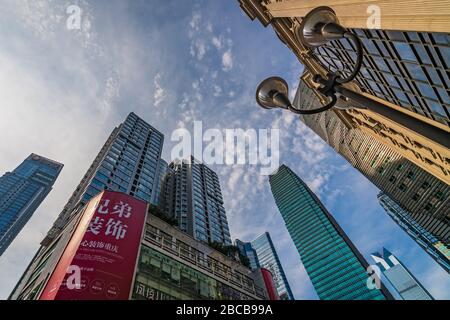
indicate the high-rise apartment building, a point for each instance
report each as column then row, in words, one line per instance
column 426, row 197
column 335, row 266
column 193, row 197
column 268, row 258
column 405, row 66
column 128, row 162
column 21, row 193
column 407, row 286
column 436, row 249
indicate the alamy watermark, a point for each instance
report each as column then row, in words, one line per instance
column 374, row 20
column 73, row 21
column 73, row 281
column 374, row 279
column 229, row 146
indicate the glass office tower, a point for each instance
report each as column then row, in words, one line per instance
column 21, row 193
column 128, row 162
column 436, row 249
column 268, row 258
column 194, row 198
column 407, row 286
column 247, row 250
column 335, row 266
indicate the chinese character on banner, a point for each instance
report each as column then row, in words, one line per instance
column 122, row 209
column 103, row 206
column 116, row 229
column 96, row 225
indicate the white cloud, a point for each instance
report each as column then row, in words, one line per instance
column 217, row 42
column 160, row 93
column 198, row 49
column 227, row 60
column 195, row 21
column 209, row 27
column 217, row 91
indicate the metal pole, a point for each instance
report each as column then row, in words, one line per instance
column 421, row 127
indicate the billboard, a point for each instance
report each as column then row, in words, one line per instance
column 99, row 261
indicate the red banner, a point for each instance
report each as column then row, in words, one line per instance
column 270, row 286
column 99, row 261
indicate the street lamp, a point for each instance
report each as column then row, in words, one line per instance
column 273, row 93
column 317, row 28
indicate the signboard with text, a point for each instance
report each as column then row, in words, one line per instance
column 99, row 260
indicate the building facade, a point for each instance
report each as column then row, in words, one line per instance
column 407, row 286
column 335, row 266
column 268, row 258
column 405, row 66
column 436, row 249
column 426, row 197
column 21, row 193
column 165, row 263
column 173, row 265
column 194, row 198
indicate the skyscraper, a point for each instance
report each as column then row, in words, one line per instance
column 247, row 250
column 194, row 198
column 21, row 193
column 335, row 266
column 405, row 67
column 268, row 258
column 436, row 249
column 407, row 286
column 426, row 197
column 128, row 162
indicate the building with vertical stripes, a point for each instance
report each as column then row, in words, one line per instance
column 336, row 268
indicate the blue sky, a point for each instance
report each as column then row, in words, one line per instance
column 171, row 62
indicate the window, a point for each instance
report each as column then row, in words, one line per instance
column 405, row 51
column 411, row 175
column 439, row 195
column 425, row 185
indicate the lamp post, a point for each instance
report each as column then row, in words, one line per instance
column 317, row 28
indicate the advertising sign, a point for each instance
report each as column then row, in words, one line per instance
column 99, row 260
column 268, row 281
